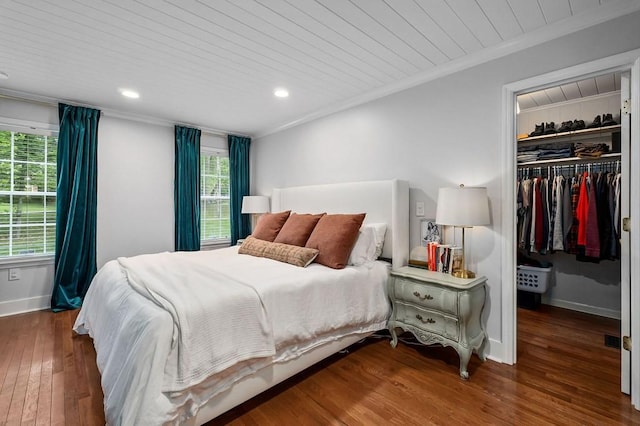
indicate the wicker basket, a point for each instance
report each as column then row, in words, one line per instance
column 533, row 279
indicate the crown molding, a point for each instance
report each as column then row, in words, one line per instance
column 108, row 112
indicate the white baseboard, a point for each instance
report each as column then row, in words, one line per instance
column 587, row 309
column 20, row 306
column 494, row 350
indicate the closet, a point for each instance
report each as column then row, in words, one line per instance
column 569, row 193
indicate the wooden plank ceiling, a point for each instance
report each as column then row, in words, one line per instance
column 593, row 86
column 216, row 63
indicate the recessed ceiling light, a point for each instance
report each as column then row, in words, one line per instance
column 3, row 75
column 281, row 93
column 129, row 93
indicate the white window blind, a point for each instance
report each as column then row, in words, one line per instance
column 214, row 196
column 27, row 193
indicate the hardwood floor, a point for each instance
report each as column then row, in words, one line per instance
column 47, row 374
column 564, row 375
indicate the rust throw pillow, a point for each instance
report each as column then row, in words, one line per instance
column 334, row 236
column 269, row 224
column 297, row 229
column 294, row 255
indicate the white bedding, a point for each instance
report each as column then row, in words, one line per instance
column 204, row 305
column 305, row 307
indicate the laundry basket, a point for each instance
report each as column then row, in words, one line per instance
column 533, row 279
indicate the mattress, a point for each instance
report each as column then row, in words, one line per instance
column 135, row 338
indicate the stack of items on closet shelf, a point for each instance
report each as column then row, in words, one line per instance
column 593, row 150
column 561, row 150
column 546, row 152
column 578, row 214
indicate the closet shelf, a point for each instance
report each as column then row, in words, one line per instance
column 574, row 136
column 572, row 160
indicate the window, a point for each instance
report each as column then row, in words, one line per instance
column 27, row 193
column 214, row 196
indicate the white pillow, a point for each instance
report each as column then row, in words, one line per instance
column 368, row 246
column 379, row 230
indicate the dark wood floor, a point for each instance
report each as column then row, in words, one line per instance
column 565, row 375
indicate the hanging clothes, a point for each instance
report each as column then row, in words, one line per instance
column 592, row 242
column 579, row 215
column 538, row 212
column 572, row 237
column 557, row 213
column 582, row 210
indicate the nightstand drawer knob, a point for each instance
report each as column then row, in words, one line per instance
column 427, row 321
column 425, row 297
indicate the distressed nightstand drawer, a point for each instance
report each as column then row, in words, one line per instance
column 431, row 321
column 429, row 296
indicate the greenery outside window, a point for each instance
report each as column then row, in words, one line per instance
column 27, row 193
column 214, row 197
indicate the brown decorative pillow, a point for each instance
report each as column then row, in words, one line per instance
column 298, row 256
column 334, row 236
column 269, row 224
column 297, row 229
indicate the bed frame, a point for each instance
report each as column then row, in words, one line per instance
column 383, row 201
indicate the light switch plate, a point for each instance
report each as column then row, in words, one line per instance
column 420, row 208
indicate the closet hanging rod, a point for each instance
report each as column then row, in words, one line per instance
column 574, row 168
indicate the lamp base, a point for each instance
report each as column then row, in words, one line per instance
column 462, row 273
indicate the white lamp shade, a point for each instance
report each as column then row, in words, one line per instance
column 463, row 206
column 255, row 204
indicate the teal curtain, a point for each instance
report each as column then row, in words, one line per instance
column 187, row 189
column 75, row 259
column 239, row 181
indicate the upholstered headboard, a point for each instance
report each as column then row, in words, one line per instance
column 383, row 201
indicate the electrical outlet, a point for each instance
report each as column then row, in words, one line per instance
column 14, row 274
column 420, row 208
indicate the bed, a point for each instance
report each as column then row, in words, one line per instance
column 159, row 366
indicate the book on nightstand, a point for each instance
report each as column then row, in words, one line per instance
column 455, row 258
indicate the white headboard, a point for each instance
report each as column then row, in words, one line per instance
column 384, row 201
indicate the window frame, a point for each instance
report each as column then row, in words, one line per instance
column 212, row 243
column 40, row 129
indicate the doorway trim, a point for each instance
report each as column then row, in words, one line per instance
column 624, row 61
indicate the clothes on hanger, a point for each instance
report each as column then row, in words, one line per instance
column 578, row 214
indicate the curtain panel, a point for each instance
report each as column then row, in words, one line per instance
column 75, row 256
column 239, row 181
column 187, row 189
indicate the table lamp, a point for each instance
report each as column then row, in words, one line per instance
column 254, row 205
column 463, row 207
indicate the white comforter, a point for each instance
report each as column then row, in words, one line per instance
column 134, row 339
column 204, row 305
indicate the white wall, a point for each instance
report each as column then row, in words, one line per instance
column 582, row 286
column 135, row 189
column 42, row 114
column 31, row 292
column 441, row 133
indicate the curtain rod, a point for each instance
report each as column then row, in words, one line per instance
column 51, row 102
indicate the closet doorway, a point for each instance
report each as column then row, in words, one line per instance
column 572, row 191
column 628, row 66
